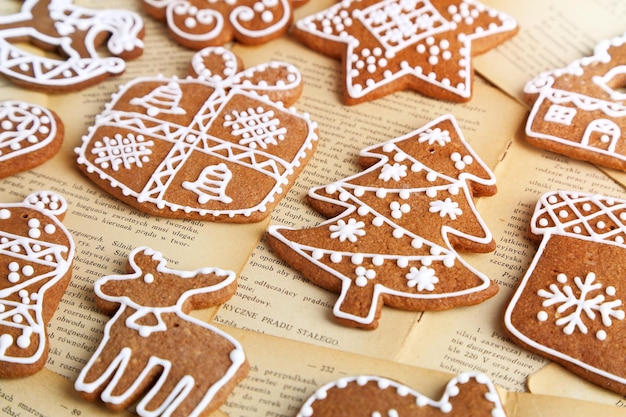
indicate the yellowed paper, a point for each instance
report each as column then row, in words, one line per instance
column 421, row 349
column 551, row 35
column 553, row 379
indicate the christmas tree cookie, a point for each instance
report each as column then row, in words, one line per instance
column 395, row 228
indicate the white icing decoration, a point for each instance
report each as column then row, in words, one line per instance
column 443, row 405
column 163, row 99
column 38, row 268
column 25, row 128
column 275, row 16
column 423, row 279
column 399, row 27
column 256, row 127
column 211, row 184
column 109, row 378
column 354, row 223
column 257, row 148
column 566, row 107
column 580, row 301
column 446, row 207
column 78, row 68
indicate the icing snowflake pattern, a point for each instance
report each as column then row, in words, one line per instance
column 119, row 151
column 350, row 231
column 393, row 172
column 423, row 279
column 432, row 136
column 417, row 44
column 256, row 127
column 446, row 207
column 582, row 300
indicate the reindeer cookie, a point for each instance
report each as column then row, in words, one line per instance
column 36, row 254
column 395, row 228
column 153, row 351
column 392, row 45
column 570, row 304
column 220, row 145
column 578, row 110
column 76, row 34
column 197, row 24
column 29, row 135
column 468, row 394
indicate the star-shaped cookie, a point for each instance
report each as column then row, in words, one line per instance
column 392, row 45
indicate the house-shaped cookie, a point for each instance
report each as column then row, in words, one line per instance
column 579, row 110
column 569, row 307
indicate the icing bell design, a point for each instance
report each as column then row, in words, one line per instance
column 219, row 145
column 36, row 253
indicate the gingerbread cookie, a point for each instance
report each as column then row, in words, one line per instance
column 76, row 34
column 198, row 24
column 468, row 394
column 29, row 135
column 576, row 111
column 569, row 306
column 153, row 351
column 36, row 254
column 391, row 45
column 220, row 146
column 395, row 228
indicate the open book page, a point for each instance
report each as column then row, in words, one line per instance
column 275, row 299
column 105, row 230
column 551, row 35
column 553, row 379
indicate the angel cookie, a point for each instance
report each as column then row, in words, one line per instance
column 578, row 111
column 76, row 35
column 29, row 135
column 391, row 45
column 152, row 351
column 36, row 254
column 395, row 228
column 220, row 145
column 468, row 394
column 569, row 306
column 197, row 24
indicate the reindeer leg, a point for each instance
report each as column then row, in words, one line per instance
column 169, row 396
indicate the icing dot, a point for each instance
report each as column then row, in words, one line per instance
column 563, row 213
column 50, row 229
column 601, row 224
column 335, row 257
column 610, row 290
column 13, row 277
column 28, row 270
column 601, row 335
column 562, row 278
column 5, row 214
column 542, row 316
column 148, row 278
column 361, row 281
column 357, row 259
column 378, row 260
column 317, row 254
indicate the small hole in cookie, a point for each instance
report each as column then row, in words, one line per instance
column 25, row 215
column 431, row 150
